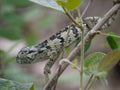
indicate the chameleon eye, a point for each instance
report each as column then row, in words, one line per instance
column 25, row 50
column 22, row 53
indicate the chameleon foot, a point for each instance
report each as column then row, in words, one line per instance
column 46, row 73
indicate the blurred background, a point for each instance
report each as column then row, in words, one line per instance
column 24, row 23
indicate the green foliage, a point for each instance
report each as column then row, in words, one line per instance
column 69, row 4
column 50, row 4
column 113, row 40
column 21, row 3
column 5, row 57
column 86, row 47
column 11, row 70
column 12, row 26
column 98, row 64
column 109, row 61
column 92, row 61
column 11, row 21
column 6, row 84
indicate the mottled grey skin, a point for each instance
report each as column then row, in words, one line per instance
column 51, row 48
column 48, row 49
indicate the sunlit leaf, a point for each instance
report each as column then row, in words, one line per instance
column 113, row 41
column 109, row 61
column 48, row 3
column 6, row 84
column 92, row 61
column 69, row 4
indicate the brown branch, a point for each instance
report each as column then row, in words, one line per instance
column 87, row 38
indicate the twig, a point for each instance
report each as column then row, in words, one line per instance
column 82, row 61
column 87, row 38
column 71, row 18
column 91, row 83
column 85, row 10
column 86, row 86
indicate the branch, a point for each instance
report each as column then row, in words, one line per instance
column 87, row 38
column 85, row 10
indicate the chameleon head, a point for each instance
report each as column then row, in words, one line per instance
column 26, row 55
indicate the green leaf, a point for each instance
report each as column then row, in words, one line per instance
column 69, row 4
column 86, row 47
column 109, row 61
column 92, row 61
column 113, row 41
column 48, row 3
column 6, row 84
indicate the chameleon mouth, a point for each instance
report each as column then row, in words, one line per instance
column 23, row 60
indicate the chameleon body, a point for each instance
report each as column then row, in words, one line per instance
column 51, row 48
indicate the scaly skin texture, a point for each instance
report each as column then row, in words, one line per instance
column 51, row 48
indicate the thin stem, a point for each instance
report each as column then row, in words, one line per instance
column 85, row 10
column 89, row 81
column 82, row 55
column 82, row 61
column 66, row 60
column 105, row 34
column 79, row 14
column 71, row 18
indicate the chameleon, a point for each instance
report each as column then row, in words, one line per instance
column 49, row 49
